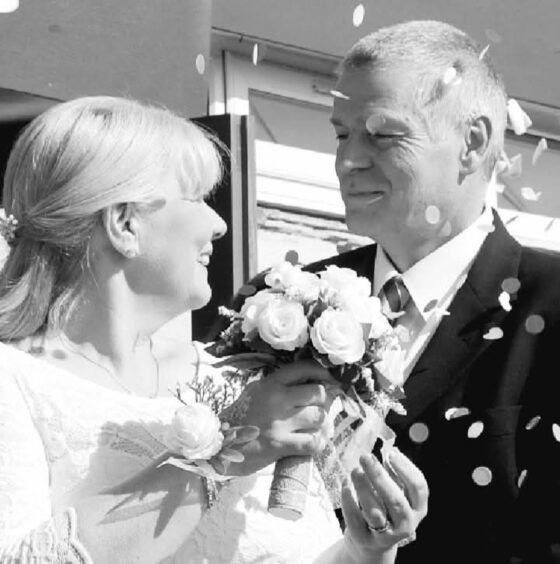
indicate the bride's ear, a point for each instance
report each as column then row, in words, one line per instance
column 122, row 225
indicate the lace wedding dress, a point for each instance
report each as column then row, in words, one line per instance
column 62, row 437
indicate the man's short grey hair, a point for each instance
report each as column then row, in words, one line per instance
column 428, row 49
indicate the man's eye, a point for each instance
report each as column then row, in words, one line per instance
column 341, row 136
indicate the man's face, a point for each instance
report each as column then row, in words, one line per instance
column 390, row 170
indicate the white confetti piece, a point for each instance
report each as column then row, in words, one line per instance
column 374, row 123
column 556, row 431
column 519, row 120
column 433, row 215
column 500, row 188
column 449, row 75
column 521, row 478
column 511, row 285
column 255, row 55
column 338, row 94
column 487, row 227
column 446, row 229
column 533, row 422
column 541, row 147
column 493, row 334
column 515, row 166
column 482, row 476
column 8, row 6
column 358, row 15
column 461, row 280
column 504, row 300
column 456, row 412
column 418, row 432
column 200, row 63
column 475, row 430
column 493, row 36
column 529, row 194
column 483, row 52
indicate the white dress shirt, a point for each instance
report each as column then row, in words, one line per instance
column 432, row 284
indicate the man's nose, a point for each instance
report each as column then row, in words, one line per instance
column 353, row 155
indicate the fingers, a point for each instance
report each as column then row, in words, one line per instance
column 301, row 372
column 389, row 493
column 309, row 394
column 413, row 480
column 372, row 508
column 246, row 434
column 353, row 516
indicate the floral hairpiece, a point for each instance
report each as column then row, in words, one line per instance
column 8, row 226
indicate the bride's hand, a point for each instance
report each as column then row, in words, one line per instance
column 290, row 408
column 388, row 513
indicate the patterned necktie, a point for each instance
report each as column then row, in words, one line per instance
column 394, row 297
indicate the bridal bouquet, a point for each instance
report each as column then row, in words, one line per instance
column 333, row 318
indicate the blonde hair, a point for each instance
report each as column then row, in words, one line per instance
column 429, row 49
column 71, row 163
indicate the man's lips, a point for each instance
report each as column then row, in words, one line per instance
column 368, row 196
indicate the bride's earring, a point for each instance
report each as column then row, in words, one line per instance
column 130, row 253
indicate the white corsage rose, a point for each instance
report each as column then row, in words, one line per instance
column 338, row 335
column 283, row 325
column 195, row 432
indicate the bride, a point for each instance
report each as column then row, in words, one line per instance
column 110, row 238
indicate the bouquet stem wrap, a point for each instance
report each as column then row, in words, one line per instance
column 288, row 492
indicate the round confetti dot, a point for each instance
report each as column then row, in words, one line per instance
column 533, row 422
column 36, row 350
column 292, row 257
column 374, row 123
column 418, row 432
column 358, row 15
column 430, row 305
column 534, row 324
column 493, row 334
column 511, row 285
column 8, row 6
column 475, row 430
column 521, row 478
column 59, row 354
column 433, row 215
column 247, row 290
column 446, row 229
column 556, row 431
column 482, row 476
column 200, row 63
column 493, row 36
column 456, row 412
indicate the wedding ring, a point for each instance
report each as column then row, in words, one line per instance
column 407, row 540
column 380, row 530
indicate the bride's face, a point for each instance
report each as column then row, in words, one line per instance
column 176, row 246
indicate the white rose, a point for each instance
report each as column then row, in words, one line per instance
column 367, row 310
column 299, row 285
column 252, row 308
column 283, row 325
column 346, row 279
column 339, row 335
column 282, row 276
column 195, row 432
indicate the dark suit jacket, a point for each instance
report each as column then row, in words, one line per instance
column 505, row 384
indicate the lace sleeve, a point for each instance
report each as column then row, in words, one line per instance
column 28, row 531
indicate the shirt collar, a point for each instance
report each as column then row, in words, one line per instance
column 450, row 262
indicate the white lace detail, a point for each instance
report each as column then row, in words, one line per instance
column 62, row 437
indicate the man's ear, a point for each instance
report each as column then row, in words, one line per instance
column 122, row 228
column 475, row 148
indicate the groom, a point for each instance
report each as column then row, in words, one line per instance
column 420, row 116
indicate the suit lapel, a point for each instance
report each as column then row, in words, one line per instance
column 459, row 337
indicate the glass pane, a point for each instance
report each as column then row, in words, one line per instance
column 293, row 123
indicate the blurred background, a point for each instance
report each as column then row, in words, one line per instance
column 259, row 72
